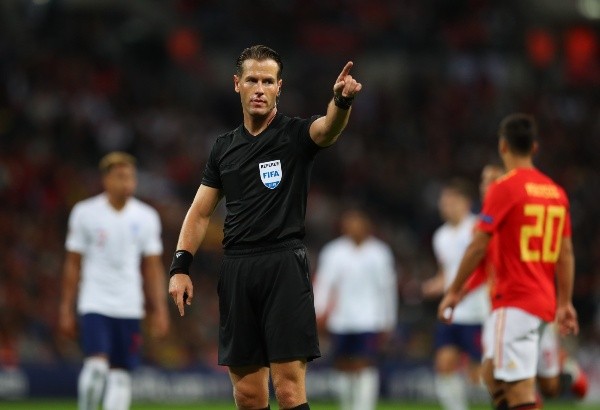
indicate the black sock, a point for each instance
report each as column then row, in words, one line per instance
column 566, row 381
column 304, row 406
column 524, row 406
column 503, row 405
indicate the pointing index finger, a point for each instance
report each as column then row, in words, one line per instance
column 180, row 303
column 346, row 70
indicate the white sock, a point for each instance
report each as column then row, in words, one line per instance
column 366, row 389
column 450, row 390
column 91, row 383
column 118, row 390
column 345, row 387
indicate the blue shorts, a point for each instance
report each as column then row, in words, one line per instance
column 119, row 339
column 355, row 345
column 467, row 338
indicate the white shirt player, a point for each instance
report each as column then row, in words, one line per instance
column 112, row 244
column 449, row 245
column 358, row 284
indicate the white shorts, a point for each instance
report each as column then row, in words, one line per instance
column 511, row 338
column 548, row 362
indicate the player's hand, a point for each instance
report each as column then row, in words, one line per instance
column 447, row 306
column 345, row 84
column 566, row 318
column 181, row 290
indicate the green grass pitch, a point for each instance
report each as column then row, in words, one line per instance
column 71, row 405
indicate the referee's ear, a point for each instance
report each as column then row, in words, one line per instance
column 236, row 83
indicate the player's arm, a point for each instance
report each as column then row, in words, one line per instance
column 153, row 273
column 566, row 316
column 390, row 293
column 434, row 286
column 67, row 322
column 473, row 256
column 324, row 287
column 478, row 278
column 323, row 294
column 324, row 131
column 191, row 236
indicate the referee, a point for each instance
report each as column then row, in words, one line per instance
column 262, row 168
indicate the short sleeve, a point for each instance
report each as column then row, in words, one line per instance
column 211, row 176
column 305, row 142
column 496, row 206
column 153, row 242
column 567, row 230
column 76, row 238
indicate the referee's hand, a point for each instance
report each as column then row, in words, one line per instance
column 181, row 290
column 345, row 85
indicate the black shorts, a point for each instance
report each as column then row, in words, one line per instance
column 266, row 306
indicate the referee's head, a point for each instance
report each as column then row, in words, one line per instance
column 259, row 53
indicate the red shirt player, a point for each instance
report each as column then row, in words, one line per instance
column 485, row 272
column 527, row 214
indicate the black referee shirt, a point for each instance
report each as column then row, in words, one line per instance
column 265, row 181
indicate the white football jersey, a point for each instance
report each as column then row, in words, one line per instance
column 112, row 244
column 449, row 245
column 357, row 285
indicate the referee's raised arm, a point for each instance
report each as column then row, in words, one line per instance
column 191, row 236
column 325, row 130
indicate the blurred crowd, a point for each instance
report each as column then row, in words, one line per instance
column 154, row 78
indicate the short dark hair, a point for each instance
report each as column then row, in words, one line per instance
column 259, row 53
column 460, row 186
column 520, row 132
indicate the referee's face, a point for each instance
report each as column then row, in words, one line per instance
column 258, row 86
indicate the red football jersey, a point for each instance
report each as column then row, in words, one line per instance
column 528, row 214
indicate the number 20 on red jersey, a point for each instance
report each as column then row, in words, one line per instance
column 548, row 225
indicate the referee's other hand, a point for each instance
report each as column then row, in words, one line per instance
column 181, row 290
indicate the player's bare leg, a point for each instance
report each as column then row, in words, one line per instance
column 495, row 387
column 571, row 381
column 521, row 394
column 250, row 387
column 449, row 386
column 289, row 381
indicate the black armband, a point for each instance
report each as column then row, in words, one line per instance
column 342, row 102
column 181, row 263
